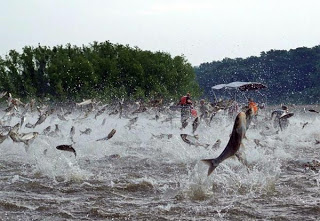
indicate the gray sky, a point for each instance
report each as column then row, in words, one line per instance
column 202, row 30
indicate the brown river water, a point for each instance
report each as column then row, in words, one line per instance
column 139, row 175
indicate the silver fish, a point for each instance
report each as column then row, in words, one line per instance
column 41, row 119
column 110, row 135
column 86, row 102
column 238, row 133
column 192, row 140
column 25, row 137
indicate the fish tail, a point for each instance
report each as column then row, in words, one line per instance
column 212, row 163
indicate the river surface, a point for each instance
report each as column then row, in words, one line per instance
column 140, row 175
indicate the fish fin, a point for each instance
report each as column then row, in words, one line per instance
column 242, row 159
column 211, row 163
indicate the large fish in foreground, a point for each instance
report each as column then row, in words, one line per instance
column 238, row 133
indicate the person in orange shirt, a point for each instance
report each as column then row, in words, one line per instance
column 253, row 105
column 185, row 104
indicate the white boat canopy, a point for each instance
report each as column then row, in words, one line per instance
column 242, row 86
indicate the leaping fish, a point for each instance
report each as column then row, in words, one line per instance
column 24, row 137
column 68, row 148
column 192, row 140
column 238, row 133
column 314, row 111
column 41, row 119
column 110, row 135
column 86, row 102
column 27, row 137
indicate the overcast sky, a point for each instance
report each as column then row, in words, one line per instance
column 201, row 30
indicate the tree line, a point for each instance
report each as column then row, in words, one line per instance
column 100, row 70
column 291, row 76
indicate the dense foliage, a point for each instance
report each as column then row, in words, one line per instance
column 100, row 70
column 291, row 76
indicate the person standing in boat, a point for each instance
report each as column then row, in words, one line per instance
column 185, row 104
